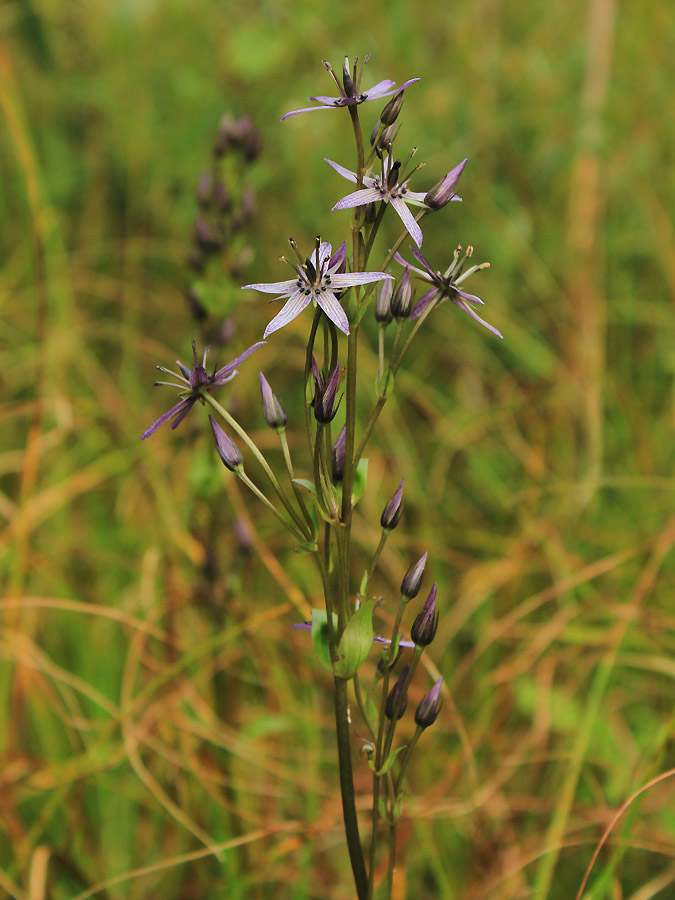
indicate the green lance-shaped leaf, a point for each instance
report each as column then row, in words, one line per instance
column 320, row 636
column 356, row 641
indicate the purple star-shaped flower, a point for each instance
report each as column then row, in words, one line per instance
column 317, row 280
column 385, row 187
column 350, row 89
column 193, row 383
column 444, row 286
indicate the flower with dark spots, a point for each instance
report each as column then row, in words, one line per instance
column 317, row 281
column 350, row 89
column 193, row 383
column 445, row 286
column 387, row 188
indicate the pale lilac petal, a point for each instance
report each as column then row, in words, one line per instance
column 296, row 112
column 387, row 93
column 474, row 315
column 408, row 220
column 415, row 197
column 337, row 282
column 346, row 173
column 293, row 307
column 276, row 287
column 377, row 90
column 330, row 304
column 399, row 259
column 359, row 198
column 184, row 404
column 327, row 101
column 424, row 302
column 418, row 256
column 325, row 251
column 470, row 297
column 227, row 371
column 338, row 261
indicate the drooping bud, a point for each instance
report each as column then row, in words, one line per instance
column 396, row 698
column 401, row 304
column 424, row 627
column 392, row 511
column 390, row 113
column 444, row 191
column 273, row 412
column 383, row 313
column 412, row 580
column 325, row 393
column 227, row 449
column 337, row 456
column 429, row 706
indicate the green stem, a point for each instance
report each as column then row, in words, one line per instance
column 259, row 494
column 291, row 476
column 347, row 789
column 235, row 426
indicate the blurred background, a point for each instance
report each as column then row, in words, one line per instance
column 163, row 730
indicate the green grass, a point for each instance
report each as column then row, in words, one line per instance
column 163, row 731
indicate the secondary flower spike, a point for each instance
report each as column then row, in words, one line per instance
column 384, row 187
column 194, row 382
column 445, row 286
column 350, row 89
column 316, row 281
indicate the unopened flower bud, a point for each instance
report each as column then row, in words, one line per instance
column 424, row 627
column 273, row 412
column 390, row 113
column 383, row 313
column 325, row 407
column 347, row 79
column 429, row 706
column 227, row 135
column 206, row 237
column 397, row 700
column 204, row 189
column 227, row 449
column 444, row 191
column 401, row 304
column 392, row 511
column 412, row 580
column 337, row 456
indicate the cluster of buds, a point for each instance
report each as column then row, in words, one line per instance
column 225, row 207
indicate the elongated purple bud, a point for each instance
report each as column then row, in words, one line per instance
column 392, row 512
column 227, row 449
column 383, row 313
column 444, row 191
column 273, row 412
column 401, row 304
column 337, row 456
column 412, row 580
column 391, row 111
column 424, row 627
column 429, row 706
column 397, row 700
column 325, row 405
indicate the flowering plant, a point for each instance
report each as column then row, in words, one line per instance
column 341, row 288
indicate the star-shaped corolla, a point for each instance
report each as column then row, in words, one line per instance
column 192, row 383
column 444, row 286
column 385, row 187
column 350, row 90
column 317, row 281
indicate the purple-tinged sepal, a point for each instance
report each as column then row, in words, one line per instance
column 337, row 456
column 444, row 191
column 424, row 627
column 429, row 706
column 227, row 449
column 383, row 313
column 401, row 304
column 325, row 393
column 412, row 580
column 273, row 412
column 397, row 700
column 391, row 514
